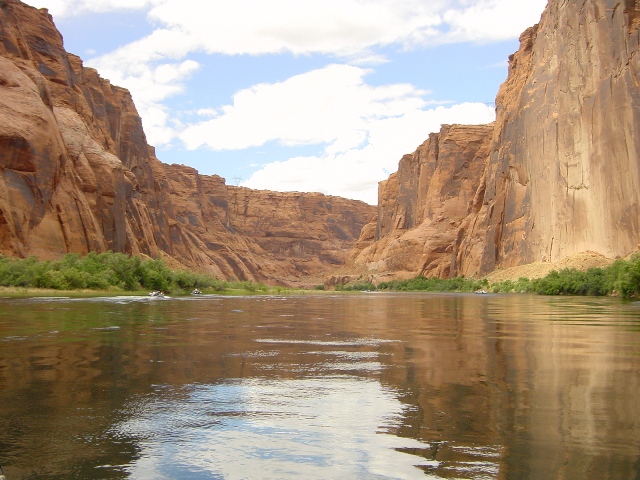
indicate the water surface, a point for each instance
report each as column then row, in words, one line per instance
column 316, row 387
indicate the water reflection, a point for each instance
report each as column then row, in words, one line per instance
column 353, row 386
column 306, row 428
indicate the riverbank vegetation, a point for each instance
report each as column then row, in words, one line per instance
column 622, row 278
column 117, row 272
column 110, row 272
column 458, row 284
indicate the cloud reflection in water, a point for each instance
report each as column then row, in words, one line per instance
column 330, row 427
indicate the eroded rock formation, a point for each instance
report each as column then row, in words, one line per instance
column 562, row 171
column 77, row 175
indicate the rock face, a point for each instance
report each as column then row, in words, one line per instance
column 302, row 229
column 562, row 171
column 76, row 175
column 422, row 206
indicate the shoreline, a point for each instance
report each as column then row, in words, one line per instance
column 28, row 292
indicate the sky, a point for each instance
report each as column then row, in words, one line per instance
column 298, row 95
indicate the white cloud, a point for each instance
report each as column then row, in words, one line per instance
column 332, row 105
column 341, row 27
column 354, row 173
column 361, row 127
column 66, row 8
column 153, row 68
column 351, row 29
column 207, row 112
column 492, row 20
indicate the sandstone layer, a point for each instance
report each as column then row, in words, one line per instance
column 561, row 173
column 77, row 175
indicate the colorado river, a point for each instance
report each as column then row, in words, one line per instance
column 363, row 386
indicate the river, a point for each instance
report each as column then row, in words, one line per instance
column 360, row 386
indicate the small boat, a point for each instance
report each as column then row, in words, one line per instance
column 156, row 294
column 481, row 292
column 196, row 292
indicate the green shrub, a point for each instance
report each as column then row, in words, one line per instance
column 505, row 286
column 572, row 282
column 624, row 277
column 154, row 275
column 51, row 279
column 356, row 287
column 100, row 271
column 20, row 272
column 126, row 270
column 421, row 283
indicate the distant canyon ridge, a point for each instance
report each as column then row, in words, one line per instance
column 557, row 174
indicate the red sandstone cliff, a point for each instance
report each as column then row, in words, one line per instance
column 76, row 175
column 560, row 174
column 563, row 173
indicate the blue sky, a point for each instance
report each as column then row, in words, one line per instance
column 298, row 95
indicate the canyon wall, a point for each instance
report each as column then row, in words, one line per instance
column 422, row 206
column 561, row 175
column 557, row 174
column 77, row 175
